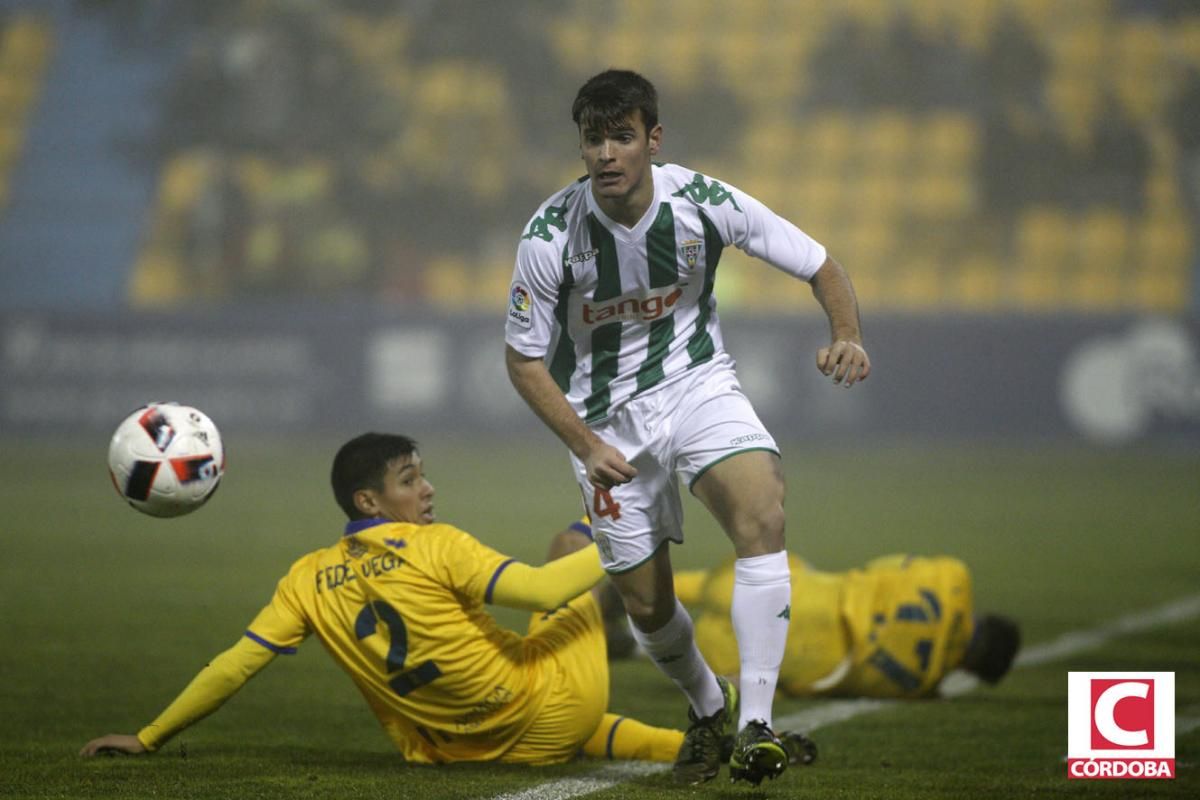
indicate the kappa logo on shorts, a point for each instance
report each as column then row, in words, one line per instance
column 750, row 437
column 519, row 304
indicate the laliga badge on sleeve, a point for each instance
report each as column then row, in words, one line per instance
column 519, row 305
column 1120, row 725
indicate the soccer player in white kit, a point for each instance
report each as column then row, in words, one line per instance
column 613, row 341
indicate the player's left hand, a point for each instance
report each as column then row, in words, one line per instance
column 113, row 743
column 846, row 361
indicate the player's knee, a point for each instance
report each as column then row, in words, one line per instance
column 648, row 612
column 759, row 530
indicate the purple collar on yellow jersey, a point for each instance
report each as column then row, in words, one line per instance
column 359, row 525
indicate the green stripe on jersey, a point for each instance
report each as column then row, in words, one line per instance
column 700, row 345
column 606, row 339
column 660, row 249
column 562, row 364
column 608, row 270
column 664, row 271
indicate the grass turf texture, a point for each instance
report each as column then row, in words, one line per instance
column 106, row 614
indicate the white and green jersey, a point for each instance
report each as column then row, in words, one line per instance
column 619, row 311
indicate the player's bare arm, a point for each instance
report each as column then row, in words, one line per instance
column 606, row 466
column 845, row 359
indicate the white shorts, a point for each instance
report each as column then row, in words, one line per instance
column 681, row 429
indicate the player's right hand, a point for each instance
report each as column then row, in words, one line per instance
column 845, row 361
column 606, row 467
column 113, row 743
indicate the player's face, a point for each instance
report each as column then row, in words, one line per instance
column 406, row 496
column 619, row 159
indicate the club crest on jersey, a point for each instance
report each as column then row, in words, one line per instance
column 691, row 251
column 519, row 304
column 643, row 308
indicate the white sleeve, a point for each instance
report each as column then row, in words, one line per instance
column 532, row 297
column 760, row 232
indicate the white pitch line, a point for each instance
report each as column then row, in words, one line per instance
column 955, row 684
column 604, row 778
column 1186, row 720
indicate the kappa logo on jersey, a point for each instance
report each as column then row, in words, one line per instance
column 700, row 191
column 646, row 308
column 586, row 255
column 519, row 304
column 1120, row 725
column 553, row 217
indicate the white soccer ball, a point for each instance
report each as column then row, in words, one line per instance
column 166, row 459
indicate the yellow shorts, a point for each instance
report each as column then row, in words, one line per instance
column 570, row 641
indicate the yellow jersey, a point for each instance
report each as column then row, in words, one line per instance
column 400, row 608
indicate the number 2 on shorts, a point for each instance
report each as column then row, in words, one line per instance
column 603, row 505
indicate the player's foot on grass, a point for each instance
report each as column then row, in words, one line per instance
column 757, row 754
column 699, row 758
column 801, row 750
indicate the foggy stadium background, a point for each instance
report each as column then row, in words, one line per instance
column 303, row 215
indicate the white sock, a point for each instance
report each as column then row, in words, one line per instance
column 762, row 596
column 673, row 649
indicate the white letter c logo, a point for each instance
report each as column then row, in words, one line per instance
column 1106, row 704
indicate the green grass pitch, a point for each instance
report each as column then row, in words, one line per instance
column 105, row 614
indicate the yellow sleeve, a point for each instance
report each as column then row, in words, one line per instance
column 460, row 562
column 689, row 586
column 518, row 585
column 211, row 687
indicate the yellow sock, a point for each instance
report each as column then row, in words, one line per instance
column 624, row 738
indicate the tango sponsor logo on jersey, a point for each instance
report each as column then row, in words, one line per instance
column 1120, row 725
column 642, row 308
column 518, row 306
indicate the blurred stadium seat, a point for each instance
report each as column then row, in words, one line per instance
column 25, row 44
column 877, row 128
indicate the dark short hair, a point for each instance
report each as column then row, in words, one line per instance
column 607, row 101
column 361, row 464
column 993, row 647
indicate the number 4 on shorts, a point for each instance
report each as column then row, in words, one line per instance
column 603, row 505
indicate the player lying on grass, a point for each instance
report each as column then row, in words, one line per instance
column 894, row 628
column 398, row 602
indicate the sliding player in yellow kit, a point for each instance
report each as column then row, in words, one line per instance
column 894, row 628
column 398, row 603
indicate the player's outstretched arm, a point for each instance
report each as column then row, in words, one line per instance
column 606, row 466
column 551, row 585
column 845, row 360
column 113, row 743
